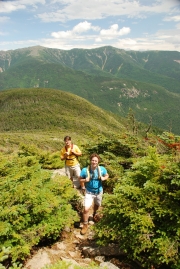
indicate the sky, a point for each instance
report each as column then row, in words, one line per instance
column 66, row 24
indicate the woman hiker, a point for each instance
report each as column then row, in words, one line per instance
column 92, row 176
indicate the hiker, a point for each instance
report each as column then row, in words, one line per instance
column 92, row 176
column 70, row 154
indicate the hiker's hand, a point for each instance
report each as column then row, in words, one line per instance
column 66, row 154
column 105, row 177
column 73, row 152
column 83, row 191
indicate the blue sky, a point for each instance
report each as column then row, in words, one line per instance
column 66, row 24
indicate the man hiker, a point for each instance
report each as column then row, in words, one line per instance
column 70, row 153
column 92, row 176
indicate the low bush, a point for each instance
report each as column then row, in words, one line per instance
column 142, row 215
column 33, row 205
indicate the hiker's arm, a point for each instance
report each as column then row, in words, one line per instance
column 76, row 153
column 105, row 177
column 63, row 155
column 82, row 179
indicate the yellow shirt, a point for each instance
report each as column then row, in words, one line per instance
column 72, row 159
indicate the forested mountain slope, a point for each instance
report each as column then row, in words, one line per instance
column 53, row 110
column 110, row 78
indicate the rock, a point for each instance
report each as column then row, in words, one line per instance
column 100, row 259
column 108, row 265
column 71, row 261
column 60, row 245
column 39, row 260
column 72, row 254
column 110, row 250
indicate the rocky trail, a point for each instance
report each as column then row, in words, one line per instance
column 77, row 249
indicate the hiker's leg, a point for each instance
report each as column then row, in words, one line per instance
column 88, row 200
column 96, row 207
column 97, row 204
column 69, row 172
column 87, row 205
column 77, row 171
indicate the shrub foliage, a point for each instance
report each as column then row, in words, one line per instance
column 140, row 205
column 142, row 214
column 33, row 205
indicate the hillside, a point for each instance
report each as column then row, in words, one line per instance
column 113, row 79
column 40, row 207
column 53, row 110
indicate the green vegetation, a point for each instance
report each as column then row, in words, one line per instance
column 142, row 214
column 52, row 110
column 67, row 265
column 33, row 206
column 141, row 202
column 112, row 79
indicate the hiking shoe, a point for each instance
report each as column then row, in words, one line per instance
column 84, row 229
column 96, row 218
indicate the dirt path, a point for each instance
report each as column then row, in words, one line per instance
column 69, row 246
column 61, row 172
column 72, row 247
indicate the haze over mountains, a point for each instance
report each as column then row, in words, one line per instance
column 113, row 79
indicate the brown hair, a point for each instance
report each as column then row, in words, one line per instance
column 95, row 155
column 67, row 138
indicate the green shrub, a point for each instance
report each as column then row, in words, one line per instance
column 143, row 212
column 33, row 206
column 48, row 160
column 67, row 265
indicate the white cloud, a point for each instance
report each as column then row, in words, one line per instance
column 2, row 34
column 81, row 27
column 144, row 44
column 70, row 9
column 20, row 43
column 102, row 22
column 4, row 19
column 62, row 34
column 169, row 37
column 7, row 7
column 173, row 18
column 114, row 32
column 98, row 39
column 10, row 6
column 84, row 27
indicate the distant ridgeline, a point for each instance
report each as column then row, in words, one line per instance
column 145, row 83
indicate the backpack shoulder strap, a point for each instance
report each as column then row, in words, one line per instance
column 88, row 172
column 99, row 172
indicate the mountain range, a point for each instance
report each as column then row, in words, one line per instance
column 147, row 83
